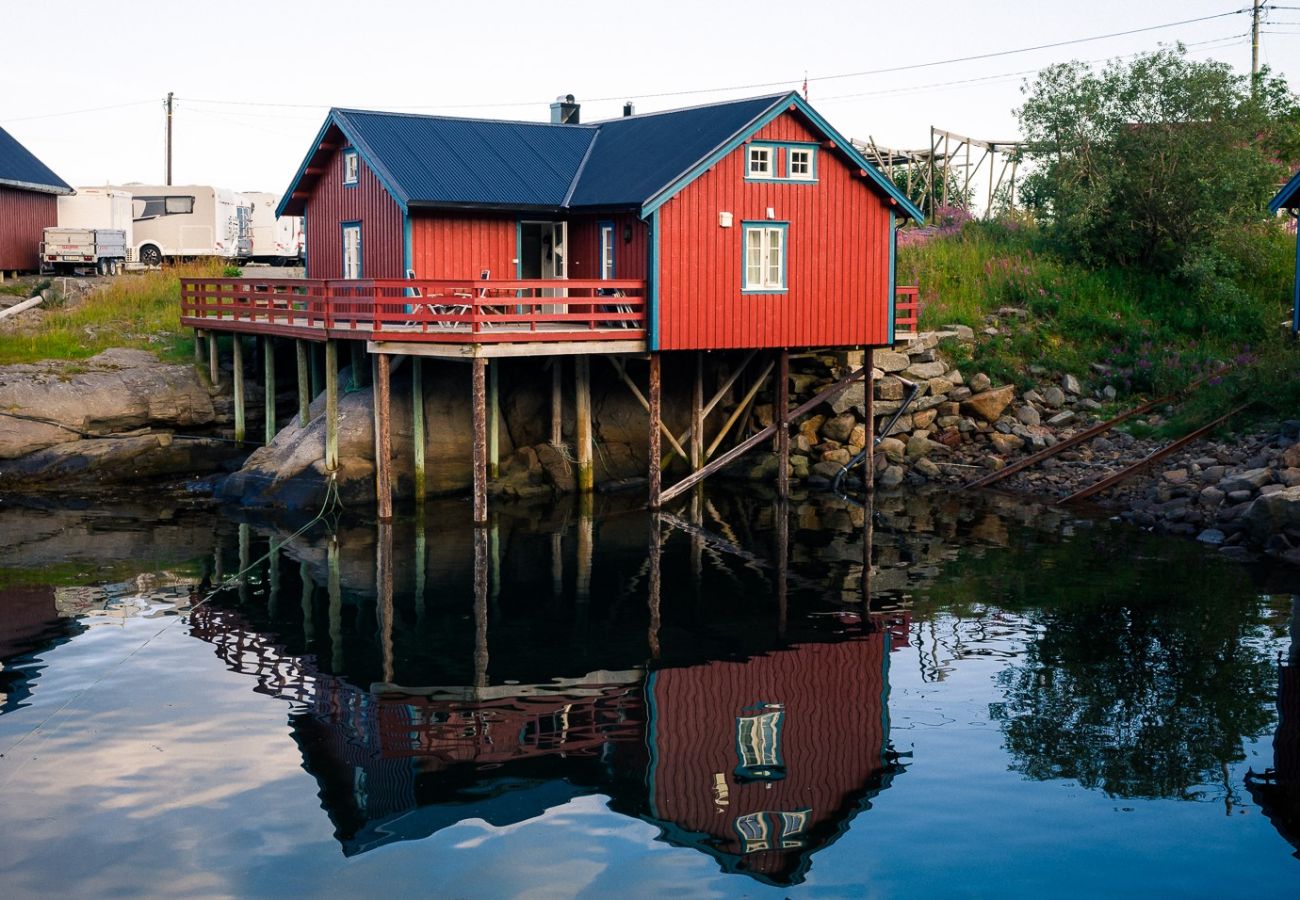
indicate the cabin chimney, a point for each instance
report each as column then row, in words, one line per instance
column 564, row 111
column 628, row 109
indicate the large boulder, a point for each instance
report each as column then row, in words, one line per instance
column 115, row 460
column 990, row 404
column 1274, row 513
column 119, row 390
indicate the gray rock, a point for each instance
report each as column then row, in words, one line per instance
column 988, row 405
column 979, row 383
column 1271, row 514
column 1054, row 397
column 925, row 370
column 1061, row 419
column 1175, row 476
column 894, row 449
column 1211, row 495
column 961, row 332
column 1089, row 404
column 889, row 388
column 891, row 477
column 1239, row 496
column 1028, row 415
column 1071, row 385
column 1108, row 392
column 1032, row 396
column 839, row 428
column 1249, row 480
column 927, row 468
column 918, row 446
column 852, row 397
column 889, row 361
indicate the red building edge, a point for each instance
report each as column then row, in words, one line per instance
column 24, row 216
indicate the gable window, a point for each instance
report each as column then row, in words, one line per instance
column 762, row 162
column 351, row 167
column 799, row 163
column 352, row 250
column 765, row 244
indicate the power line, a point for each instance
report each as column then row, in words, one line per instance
column 77, row 112
column 781, row 83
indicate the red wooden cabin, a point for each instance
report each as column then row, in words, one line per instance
column 28, row 205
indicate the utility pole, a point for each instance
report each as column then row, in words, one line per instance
column 169, row 136
column 1254, row 42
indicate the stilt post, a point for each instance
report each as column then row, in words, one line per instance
column 480, row 606
column 869, row 407
column 214, row 361
column 238, row 362
column 655, row 400
column 582, row 413
column 331, row 406
column 304, row 383
column 360, row 371
column 783, row 423
column 478, row 403
column 697, row 414
column 268, row 388
column 494, row 420
column 417, row 425
column 198, row 346
column 383, row 438
column 654, row 574
column 384, row 595
column 557, row 402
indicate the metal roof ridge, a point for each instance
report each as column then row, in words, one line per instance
column 586, row 126
column 682, row 109
column 37, row 187
column 577, row 175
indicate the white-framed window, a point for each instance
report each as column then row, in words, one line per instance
column 352, row 250
column 606, row 250
column 762, row 161
column 799, row 163
column 351, row 167
column 765, row 244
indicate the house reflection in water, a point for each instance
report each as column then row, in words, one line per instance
column 1277, row 790
column 758, row 761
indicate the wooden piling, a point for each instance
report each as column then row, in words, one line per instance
column 655, row 402
column 494, row 420
column 653, row 579
column 198, row 346
column 557, row 402
column 783, row 423
column 308, row 607
column 421, row 562
column 273, row 579
column 237, row 346
column 383, row 438
column 214, row 361
column 869, row 407
column 480, row 607
column 268, row 388
column 384, row 596
column 697, row 414
column 582, row 414
column 586, row 549
column 359, row 368
column 304, row 383
column 781, row 513
column 245, row 542
column 478, row 404
column 317, row 357
column 417, row 426
column 334, row 588
column 331, row 406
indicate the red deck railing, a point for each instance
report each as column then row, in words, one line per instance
column 907, row 309
column 432, row 311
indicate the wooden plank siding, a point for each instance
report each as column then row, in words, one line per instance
column 332, row 203
column 837, row 258
column 24, row 216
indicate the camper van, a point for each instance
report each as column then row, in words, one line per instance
column 173, row 221
column 275, row 241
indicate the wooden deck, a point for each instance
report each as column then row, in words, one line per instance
column 422, row 312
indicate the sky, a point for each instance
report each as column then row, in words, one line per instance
column 253, row 80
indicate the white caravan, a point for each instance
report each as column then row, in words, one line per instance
column 173, row 221
column 99, row 208
column 276, row 241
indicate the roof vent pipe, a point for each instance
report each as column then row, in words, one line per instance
column 628, row 109
column 564, row 111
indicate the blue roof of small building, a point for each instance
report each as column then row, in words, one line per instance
column 20, row 169
column 1288, row 197
column 634, row 162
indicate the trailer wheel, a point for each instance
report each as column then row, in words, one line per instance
column 150, row 255
column 113, row 267
column 101, row 267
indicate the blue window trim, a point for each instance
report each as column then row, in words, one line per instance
column 613, row 248
column 801, row 145
column 747, row 224
column 343, row 246
column 653, row 311
column 351, row 152
column 776, row 160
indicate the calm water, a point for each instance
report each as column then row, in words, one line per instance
column 1016, row 702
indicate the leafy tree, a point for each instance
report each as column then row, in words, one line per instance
column 1148, row 162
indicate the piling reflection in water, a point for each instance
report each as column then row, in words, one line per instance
column 731, row 722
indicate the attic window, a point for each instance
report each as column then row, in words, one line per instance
column 761, row 162
column 799, row 163
column 351, row 167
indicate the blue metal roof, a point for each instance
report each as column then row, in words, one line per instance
column 1288, row 197
column 18, row 168
column 637, row 156
column 635, row 162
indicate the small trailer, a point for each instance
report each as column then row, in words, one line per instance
column 276, row 241
column 101, row 250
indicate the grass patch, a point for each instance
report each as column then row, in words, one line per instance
column 1155, row 333
column 135, row 310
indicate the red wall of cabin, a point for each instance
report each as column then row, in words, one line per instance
column 832, row 739
column 837, row 259
column 331, row 203
column 24, row 216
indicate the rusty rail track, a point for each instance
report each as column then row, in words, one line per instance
column 1086, row 435
column 1129, row 471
